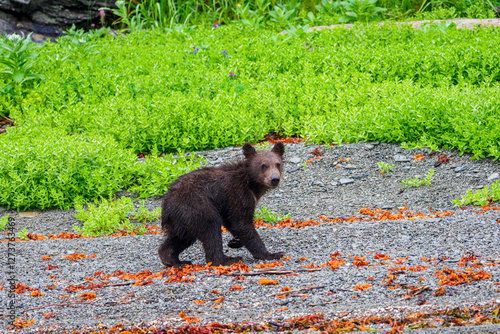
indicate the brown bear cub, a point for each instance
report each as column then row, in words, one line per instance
column 199, row 203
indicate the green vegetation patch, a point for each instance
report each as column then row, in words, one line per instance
column 484, row 196
column 45, row 167
column 219, row 87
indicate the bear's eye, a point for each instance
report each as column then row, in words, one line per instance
column 264, row 168
column 278, row 166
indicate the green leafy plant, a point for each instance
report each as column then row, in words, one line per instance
column 105, row 217
column 79, row 40
column 23, row 234
column 385, row 167
column 156, row 173
column 141, row 230
column 4, row 221
column 254, row 15
column 264, row 146
column 359, row 10
column 298, row 31
column 109, row 216
column 483, row 196
column 442, row 27
column 282, row 14
column 328, row 7
column 416, row 182
column 17, row 55
column 269, row 216
column 143, row 215
column 312, row 20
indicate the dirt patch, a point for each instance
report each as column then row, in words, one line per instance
column 461, row 23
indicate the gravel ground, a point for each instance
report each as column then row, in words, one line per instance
column 345, row 180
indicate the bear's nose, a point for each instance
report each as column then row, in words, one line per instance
column 275, row 181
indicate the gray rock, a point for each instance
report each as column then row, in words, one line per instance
column 215, row 162
column 350, row 167
column 369, row 146
column 293, row 170
column 294, row 160
column 46, row 17
column 401, row 158
column 493, row 176
column 461, row 169
column 346, row 181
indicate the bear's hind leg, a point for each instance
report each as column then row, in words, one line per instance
column 171, row 248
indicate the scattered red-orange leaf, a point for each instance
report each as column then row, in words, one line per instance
column 441, row 291
column 275, row 263
column 418, row 268
column 188, row 319
column 334, row 262
column 443, row 158
column 418, row 157
column 361, row 287
column 37, row 293
column 266, row 281
column 20, row 323
column 88, row 295
column 219, row 300
column 379, row 256
column 360, row 261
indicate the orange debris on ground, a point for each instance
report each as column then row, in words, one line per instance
column 360, row 261
column 379, row 256
column 334, row 262
column 275, row 263
column 361, row 287
column 90, row 295
column 418, row 157
column 452, row 277
column 266, row 281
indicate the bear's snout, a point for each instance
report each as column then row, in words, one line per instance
column 275, row 180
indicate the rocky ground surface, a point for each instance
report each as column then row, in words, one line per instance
column 383, row 269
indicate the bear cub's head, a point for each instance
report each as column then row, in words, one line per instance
column 265, row 167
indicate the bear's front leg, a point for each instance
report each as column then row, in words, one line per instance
column 247, row 235
column 211, row 238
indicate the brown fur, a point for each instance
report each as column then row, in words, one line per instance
column 200, row 202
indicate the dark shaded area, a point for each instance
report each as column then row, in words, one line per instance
column 496, row 9
column 47, row 18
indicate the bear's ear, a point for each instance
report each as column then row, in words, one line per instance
column 249, row 151
column 279, row 149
